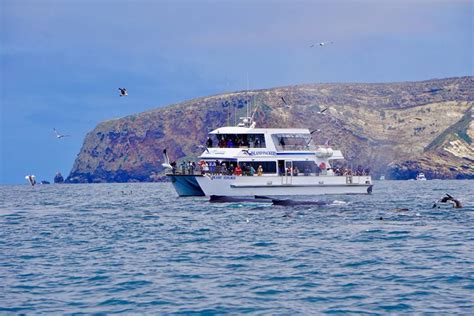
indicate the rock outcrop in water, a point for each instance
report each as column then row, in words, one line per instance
column 399, row 129
column 58, row 178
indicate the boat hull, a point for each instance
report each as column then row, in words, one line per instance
column 284, row 185
column 186, row 185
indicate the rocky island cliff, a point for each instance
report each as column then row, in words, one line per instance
column 398, row 129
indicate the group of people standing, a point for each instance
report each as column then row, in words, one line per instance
column 217, row 167
column 247, row 169
column 235, row 141
column 344, row 171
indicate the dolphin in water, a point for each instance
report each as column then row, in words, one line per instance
column 448, row 198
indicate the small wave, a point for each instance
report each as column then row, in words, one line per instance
column 338, row 202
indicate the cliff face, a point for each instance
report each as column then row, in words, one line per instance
column 398, row 129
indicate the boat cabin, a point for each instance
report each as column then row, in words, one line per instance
column 275, row 151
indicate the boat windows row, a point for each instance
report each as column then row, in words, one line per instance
column 253, row 168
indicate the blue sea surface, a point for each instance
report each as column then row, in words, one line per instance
column 138, row 248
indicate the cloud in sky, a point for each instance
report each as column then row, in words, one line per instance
column 64, row 60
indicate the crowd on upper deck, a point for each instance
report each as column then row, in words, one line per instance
column 236, row 141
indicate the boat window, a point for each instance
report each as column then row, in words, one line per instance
column 236, row 141
column 293, row 142
column 268, row 166
column 306, row 168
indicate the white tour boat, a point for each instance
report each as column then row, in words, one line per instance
column 247, row 161
column 420, row 177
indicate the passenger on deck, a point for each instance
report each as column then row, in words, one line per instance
column 318, row 170
column 222, row 143
column 281, row 170
column 238, row 170
column 209, row 142
column 173, row 167
column 245, row 170
column 212, row 167
column 230, row 144
column 251, row 144
column 231, row 169
column 260, row 170
column 282, row 142
column 251, row 171
column 295, row 171
column 205, row 168
column 307, row 171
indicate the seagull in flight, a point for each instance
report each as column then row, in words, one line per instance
column 32, row 179
column 322, row 44
column 58, row 135
column 284, row 101
column 322, row 111
column 123, row 92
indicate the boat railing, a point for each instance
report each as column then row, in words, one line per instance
column 224, row 170
column 199, row 172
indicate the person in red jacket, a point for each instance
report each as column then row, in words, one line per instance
column 238, row 171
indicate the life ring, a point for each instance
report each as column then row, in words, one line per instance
column 322, row 166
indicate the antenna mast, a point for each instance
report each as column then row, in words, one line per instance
column 246, row 96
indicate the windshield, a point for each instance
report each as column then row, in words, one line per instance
column 293, row 142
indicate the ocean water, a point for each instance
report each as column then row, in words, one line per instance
column 137, row 248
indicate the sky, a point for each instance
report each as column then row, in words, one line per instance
column 62, row 62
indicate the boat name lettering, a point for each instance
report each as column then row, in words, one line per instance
column 223, row 177
column 262, row 153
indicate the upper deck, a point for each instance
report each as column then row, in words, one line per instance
column 271, row 139
column 241, row 141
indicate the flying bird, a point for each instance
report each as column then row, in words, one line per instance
column 325, row 43
column 322, row 111
column 322, row 44
column 284, row 101
column 32, row 179
column 58, row 135
column 166, row 160
column 416, row 118
column 123, row 92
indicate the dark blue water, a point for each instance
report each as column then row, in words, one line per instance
column 137, row 248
